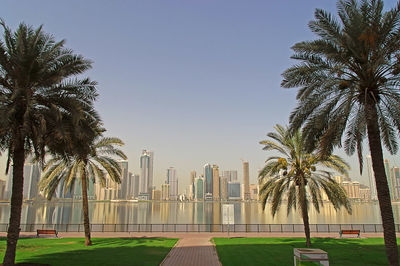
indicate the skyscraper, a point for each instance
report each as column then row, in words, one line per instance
column 192, row 178
column 371, row 177
column 230, row 175
column 172, row 180
column 246, row 195
column 215, row 174
column 389, row 178
column 135, row 186
column 396, row 181
column 199, row 188
column 125, row 181
column 208, row 176
column 165, row 191
column 146, row 174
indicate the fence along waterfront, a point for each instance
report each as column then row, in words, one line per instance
column 181, row 228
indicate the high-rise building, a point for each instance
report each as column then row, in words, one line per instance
column 199, row 188
column 208, row 176
column 224, row 188
column 165, row 191
column 389, row 179
column 352, row 189
column 172, row 180
column 193, row 175
column 146, row 174
column 136, row 179
column 124, row 190
column 234, row 190
column 246, row 192
column 371, row 178
column 365, row 193
column 215, row 174
column 230, row 175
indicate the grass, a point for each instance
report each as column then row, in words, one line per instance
column 104, row 251
column 279, row 251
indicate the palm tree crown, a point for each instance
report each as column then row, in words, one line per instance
column 295, row 174
column 99, row 162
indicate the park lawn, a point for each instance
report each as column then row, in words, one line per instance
column 104, row 251
column 279, row 251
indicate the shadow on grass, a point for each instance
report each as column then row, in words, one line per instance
column 104, row 251
column 279, row 251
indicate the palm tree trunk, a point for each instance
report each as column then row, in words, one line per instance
column 382, row 188
column 18, row 159
column 304, row 212
column 86, row 223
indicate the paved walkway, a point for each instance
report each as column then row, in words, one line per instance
column 197, row 251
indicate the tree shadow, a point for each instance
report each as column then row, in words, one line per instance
column 279, row 251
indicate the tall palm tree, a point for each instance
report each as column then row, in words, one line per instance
column 349, row 89
column 39, row 103
column 92, row 166
column 294, row 173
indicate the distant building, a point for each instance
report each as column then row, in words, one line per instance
column 165, row 192
column 246, row 180
column 136, row 179
column 234, row 190
column 125, row 187
column 230, row 175
column 146, row 173
column 199, row 188
column 156, row 194
column 365, row 193
column 208, row 179
column 224, row 188
column 253, row 192
column 396, row 183
column 172, row 180
column 352, row 189
column 215, row 174
column 193, row 176
column 208, row 197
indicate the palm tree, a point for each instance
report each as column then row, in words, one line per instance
column 92, row 166
column 296, row 175
column 39, row 103
column 349, row 89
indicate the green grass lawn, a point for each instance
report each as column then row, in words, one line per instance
column 279, row 251
column 104, row 251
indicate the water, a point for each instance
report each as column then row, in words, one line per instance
column 187, row 213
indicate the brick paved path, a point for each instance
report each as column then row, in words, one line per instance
column 192, row 251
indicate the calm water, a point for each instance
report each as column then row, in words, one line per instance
column 187, row 213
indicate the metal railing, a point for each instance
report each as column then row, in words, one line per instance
column 181, row 228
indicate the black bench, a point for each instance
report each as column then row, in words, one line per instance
column 349, row 232
column 46, row 232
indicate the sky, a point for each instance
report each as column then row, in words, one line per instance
column 194, row 81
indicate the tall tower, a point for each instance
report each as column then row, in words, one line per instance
column 146, row 173
column 215, row 174
column 172, row 180
column 208, row 176
column 31, row 180
column 371, row 177
column 123, row 192
column 193, row 176
column 246, row 192
column 389, row 178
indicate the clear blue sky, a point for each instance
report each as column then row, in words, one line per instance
column 195, row 81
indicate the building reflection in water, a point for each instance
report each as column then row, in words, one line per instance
column 187, row 213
